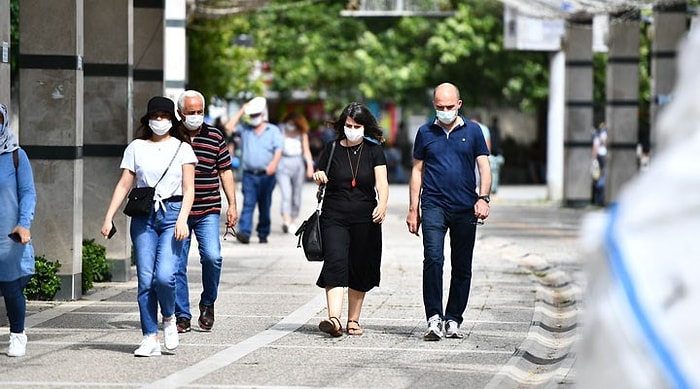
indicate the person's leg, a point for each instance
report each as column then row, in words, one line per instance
column 462, row 238
column 167, row 254
column 284, row 181
column 265, row 188
column 145, row 240
column 249, row 189
column 297, row 180
column 207, row 233
column 434, row 228
column 15, row 303
column 182, row 290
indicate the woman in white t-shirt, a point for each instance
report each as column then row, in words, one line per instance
column 162, row 146
column 295, row 166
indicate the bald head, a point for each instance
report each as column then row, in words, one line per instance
column 446, row 90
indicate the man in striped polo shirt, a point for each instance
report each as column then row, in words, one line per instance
column 213, row 169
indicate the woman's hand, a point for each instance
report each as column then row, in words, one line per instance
column 182, row 230
column 320, row 177
column 379, row 214
column 106, row 228
column 24, row 234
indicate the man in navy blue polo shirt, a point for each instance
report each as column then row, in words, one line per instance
column 261, row 144
column 443, row 195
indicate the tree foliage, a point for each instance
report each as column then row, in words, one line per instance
column 310, row 47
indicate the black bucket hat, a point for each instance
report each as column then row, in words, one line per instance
column 159, row 104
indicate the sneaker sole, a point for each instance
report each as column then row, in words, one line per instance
column 432, row 337
column 204, row 327
column 153, row 354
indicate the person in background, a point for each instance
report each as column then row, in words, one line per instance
column 213, row 171
column 17, row 203
column 354, row 208
column 599, row 152
column 447, row 151
column 496, row 158
column 261, row 143
column 161, row 147
column 295, row 166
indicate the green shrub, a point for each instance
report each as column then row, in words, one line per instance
column 45, row 283
column 95, row 265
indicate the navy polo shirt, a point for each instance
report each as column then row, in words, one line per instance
column 449, row 160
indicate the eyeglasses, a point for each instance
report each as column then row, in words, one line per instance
column 230, row 231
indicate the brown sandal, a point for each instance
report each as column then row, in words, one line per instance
column 355, row 329
column 331, row 326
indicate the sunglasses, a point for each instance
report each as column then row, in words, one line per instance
column 230, row 231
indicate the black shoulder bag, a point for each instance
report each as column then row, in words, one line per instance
column 309, row 232
column 140, row 200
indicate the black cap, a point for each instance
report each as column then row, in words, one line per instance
column 159, row 104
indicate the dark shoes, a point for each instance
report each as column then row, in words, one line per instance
column 243, row 238
column 206, row 317
column 263, row 240
column 183, row 325
column 331, row 326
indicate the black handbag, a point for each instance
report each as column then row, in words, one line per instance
column 140, row 200
column 309, row 232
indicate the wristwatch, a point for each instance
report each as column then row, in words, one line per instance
column 485, row 198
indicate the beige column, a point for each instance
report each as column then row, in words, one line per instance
column 622, row 101
column 5, row 52
column 670, row 25
column 108, row 124
column 149, row 22
column 578, row 112
column 51, row 126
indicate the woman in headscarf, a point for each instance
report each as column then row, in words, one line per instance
column 17, row 202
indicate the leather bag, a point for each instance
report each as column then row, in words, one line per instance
column 309, row 232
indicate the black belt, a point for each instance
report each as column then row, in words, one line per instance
column 255, row 172
column 173, row 199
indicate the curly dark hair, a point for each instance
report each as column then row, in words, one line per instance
column 362, row 115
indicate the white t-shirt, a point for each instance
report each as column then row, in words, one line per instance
column 150, row 159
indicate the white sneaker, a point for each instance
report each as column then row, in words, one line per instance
column 434, row 331
column 18, row 345
column 172, row 339
column 149, row 347
column 452, row 330
column 292, row 228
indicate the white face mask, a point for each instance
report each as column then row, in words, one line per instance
column 160, row 127
column 290, row 128
column 354, row 135
column 446, row 117
column 255, row 121
column 193, row 122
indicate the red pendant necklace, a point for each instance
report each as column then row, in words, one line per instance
column 357, row 167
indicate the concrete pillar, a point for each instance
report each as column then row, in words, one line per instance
column 108, row 125
column 175, row 48
column 578, row 112
column 555, row 126
column 148, row 54
column 622, row 101
column 5, row 52
column 51, row 126
column 670, row 25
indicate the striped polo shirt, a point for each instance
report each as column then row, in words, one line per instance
column 213, row 158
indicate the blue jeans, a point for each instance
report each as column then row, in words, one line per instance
column 15, row 302
column 257, row 189
column 435, row 223
column 156, row 252
column 206, row 229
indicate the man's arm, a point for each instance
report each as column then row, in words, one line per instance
column 229, row 186
column 230, row 125
column 414, row 188
column 481, row 208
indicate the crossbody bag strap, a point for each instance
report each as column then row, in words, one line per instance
column 322, row 188
column 171, row 162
